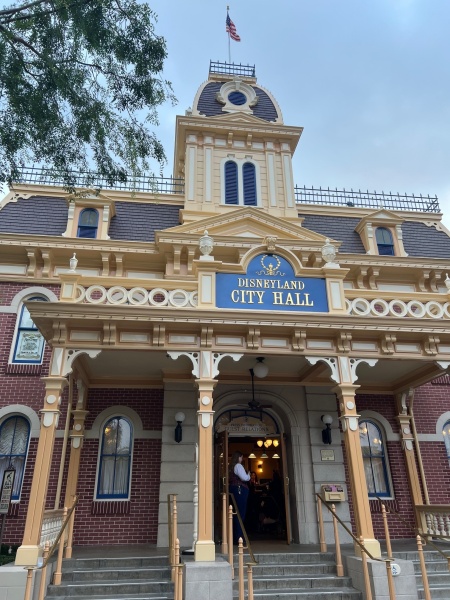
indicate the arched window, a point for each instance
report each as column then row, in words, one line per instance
column 14, row 438
column 385, row 242
column 29, row 344
column 249, row 180
column 446, row 434
column 374, row 458
column 115, row 459
column 231, row 183
column 88, row 223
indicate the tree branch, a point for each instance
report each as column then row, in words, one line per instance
column 12, row 11
column 50, row 11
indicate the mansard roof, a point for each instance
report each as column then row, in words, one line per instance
column 426, row 241
column 42, row 215
column 209, row 106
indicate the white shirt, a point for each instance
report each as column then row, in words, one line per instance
column 240, row 472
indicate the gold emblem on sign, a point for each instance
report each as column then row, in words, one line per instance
column 270, row 267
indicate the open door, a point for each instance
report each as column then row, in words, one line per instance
column 221, row 484
column 287, row 507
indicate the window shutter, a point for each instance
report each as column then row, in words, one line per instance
column 231, row 183
column 249, row 177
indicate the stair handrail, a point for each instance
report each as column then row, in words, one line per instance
column 172, row 523
column 360, row 543
column 48, row 552
column 247, row 541
column 417, row 531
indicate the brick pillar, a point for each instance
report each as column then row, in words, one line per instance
column 30, row 550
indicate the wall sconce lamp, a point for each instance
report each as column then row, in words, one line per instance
column 179, row 418
column 260, row 369
column 260, row 467
column 326, row 433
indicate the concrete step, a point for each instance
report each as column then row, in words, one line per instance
column 113, row 575
column 292, row 558
column 294, row 569
column 436, row 593
column 113, row 563
column 288, row 583
column 317, row 594
column 119, row 597
column 125, row 588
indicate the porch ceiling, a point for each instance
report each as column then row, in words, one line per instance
column 135, row 368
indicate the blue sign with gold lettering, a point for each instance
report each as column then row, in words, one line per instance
column 270, row 284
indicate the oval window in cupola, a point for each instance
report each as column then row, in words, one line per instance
column 237, row 98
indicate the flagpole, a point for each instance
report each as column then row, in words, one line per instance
column 229, row 45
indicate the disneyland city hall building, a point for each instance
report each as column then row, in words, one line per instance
column 151, row 330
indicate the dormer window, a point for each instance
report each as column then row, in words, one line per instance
column 240, row 183
column 385, row 242
column 88, row 223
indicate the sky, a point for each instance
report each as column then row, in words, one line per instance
column 369, row 80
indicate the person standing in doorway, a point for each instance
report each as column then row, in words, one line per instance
column 239, row 488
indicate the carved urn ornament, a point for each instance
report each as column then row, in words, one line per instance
column 329, row 254
column 73, row 263
column 206, row 245
column 447, row 281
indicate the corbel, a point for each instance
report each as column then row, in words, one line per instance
column 422, row 282
column 315, row 260
column 434, row 280
column 206, row 337
column 270, row 241
column 119, row 264
column 109, row 334
column 105, row 263
column 249, row 140
column 373, row 273
column 299, row 340
column 253, row 338
column 388, row 343
column 169, row 263
column 430, row 345
column 190, row 259
column 59, row 333
column 230, row 138
column 344, row 342
column 32, row 257
column 362, row 272
column 177, row 259
column 47, row 257
column 159, row 335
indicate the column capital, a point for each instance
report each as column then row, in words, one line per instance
column 345, row 390
column 55, row 382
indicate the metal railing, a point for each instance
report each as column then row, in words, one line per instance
column 361, row 199
column 224, row 68
column 141, row 183
column 174, row 547
column 62, row 541
column 419, row 537
column 360, row 543
column 250, row 564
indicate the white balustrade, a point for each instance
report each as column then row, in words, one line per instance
column 51, row 526
column 137, row 296
column 437, row 520
column 378, row 307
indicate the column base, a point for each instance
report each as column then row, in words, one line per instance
column 27, row 556
column 205, row 551
column 208, row 580
column 372, row 545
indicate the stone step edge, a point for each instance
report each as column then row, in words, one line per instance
column 78, row 584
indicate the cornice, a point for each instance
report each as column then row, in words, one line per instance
column 394, row 261
column 223, row 124
column 45, row 241
column 360, row 213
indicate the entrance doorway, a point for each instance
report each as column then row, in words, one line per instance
column 257, row 436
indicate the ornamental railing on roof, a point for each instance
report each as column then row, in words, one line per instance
column 361, row 199
column 224, row 68
column 142, row 183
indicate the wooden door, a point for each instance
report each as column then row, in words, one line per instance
column 287, row 506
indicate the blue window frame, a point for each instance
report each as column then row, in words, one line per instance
column 231, row 183
column 29, row 346
column 446, row 435
column 88, row 223
column 115, row 459
column 374, row 458
column 385, row 242
column 249, row 180
column 14, row 438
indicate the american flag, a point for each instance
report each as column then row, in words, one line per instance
column 231, row 29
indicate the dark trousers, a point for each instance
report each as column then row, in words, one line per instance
column 240, row 494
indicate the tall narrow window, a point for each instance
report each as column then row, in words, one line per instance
column 115, row 459
column 446, row 434
column 231, row 183
column 14, row 437
column 249, row 181
column 374, row 458
column 385, row 242
column 88, row 223
column 29, row 346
